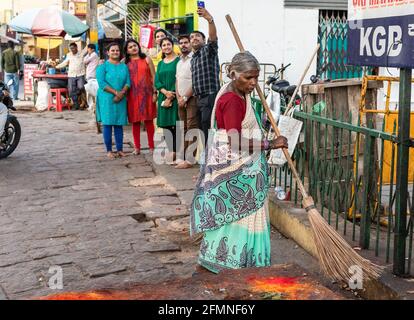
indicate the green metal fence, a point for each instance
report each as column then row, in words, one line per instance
column 341, row 163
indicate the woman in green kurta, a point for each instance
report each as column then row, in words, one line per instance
column 111, row 109
column 167, row 101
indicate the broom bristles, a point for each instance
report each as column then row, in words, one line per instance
column 335, row 255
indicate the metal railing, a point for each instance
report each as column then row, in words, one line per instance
column 136, row 14
column 350, row 171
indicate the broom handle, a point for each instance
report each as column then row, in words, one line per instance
column 269, row 114
column 292, row 99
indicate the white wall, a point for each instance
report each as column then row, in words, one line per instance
column 301, row 39
column 269, row 31
column 395, row 90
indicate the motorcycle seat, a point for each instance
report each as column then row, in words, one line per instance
column 271, row 80
column 288, row 91
column 279, row 85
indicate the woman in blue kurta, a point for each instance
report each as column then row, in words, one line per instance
column 111, row 110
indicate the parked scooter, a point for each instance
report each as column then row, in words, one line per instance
column 10, row 134
column 281, row 91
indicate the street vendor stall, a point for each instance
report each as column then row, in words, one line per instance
column 63, row 77
column 53, row 23
column 48, row 22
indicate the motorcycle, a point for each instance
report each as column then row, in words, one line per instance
column 10, row 136
column 281, row 92
column 279, row 96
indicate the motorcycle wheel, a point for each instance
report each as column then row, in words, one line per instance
column 10, row 138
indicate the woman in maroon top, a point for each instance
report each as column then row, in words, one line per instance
column 142, row 94
column 230, row 202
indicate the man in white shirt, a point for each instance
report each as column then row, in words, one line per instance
column 76, row 73
column 187, row 106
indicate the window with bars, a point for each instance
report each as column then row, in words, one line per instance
column 333, row 40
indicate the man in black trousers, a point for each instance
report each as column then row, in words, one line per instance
column 205, row 70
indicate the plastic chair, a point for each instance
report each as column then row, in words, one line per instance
column 56, row 100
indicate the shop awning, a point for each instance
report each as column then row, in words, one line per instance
column 43, row 43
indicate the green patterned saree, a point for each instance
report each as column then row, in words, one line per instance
column 230, row 202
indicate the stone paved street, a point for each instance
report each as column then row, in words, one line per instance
column 106, row 223
column 62, row 202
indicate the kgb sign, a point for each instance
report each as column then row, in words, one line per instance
column 381, row 33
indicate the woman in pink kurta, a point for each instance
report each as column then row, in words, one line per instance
column 142, row 95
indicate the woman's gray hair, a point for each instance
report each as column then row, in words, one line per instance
column 242, row 62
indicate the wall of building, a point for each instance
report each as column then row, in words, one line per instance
column 178, row 8
column 273, row 33
column 22, row 5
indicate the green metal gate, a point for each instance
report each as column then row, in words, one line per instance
column 333, row 40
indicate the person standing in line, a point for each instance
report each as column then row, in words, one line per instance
column 114, row 82
column 187, row 105
column 76, row 73
column 167, row 102
column 142, row 95
column 156, row 54
column 91, row 62
column 205, row 70
column 10, row 64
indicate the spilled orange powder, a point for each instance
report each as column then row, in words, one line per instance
column 289, row 288
column 87, row 296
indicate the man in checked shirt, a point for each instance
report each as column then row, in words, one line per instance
column 205, row 70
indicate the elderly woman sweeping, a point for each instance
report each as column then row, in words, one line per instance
column 229, row 205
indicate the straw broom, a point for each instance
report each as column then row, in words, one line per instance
column 335, row 255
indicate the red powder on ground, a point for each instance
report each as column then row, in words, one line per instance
column 290, row 288
column 274, row 281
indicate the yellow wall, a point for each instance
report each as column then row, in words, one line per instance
column 178, row 8
column 389, row 127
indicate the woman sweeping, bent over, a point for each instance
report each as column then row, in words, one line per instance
column 230, row 202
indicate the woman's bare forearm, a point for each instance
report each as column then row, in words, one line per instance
column 110, row 90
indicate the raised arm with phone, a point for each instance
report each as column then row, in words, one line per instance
column 212, row 31
column 205, row 69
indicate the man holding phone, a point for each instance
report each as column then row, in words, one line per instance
column 205, row 69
